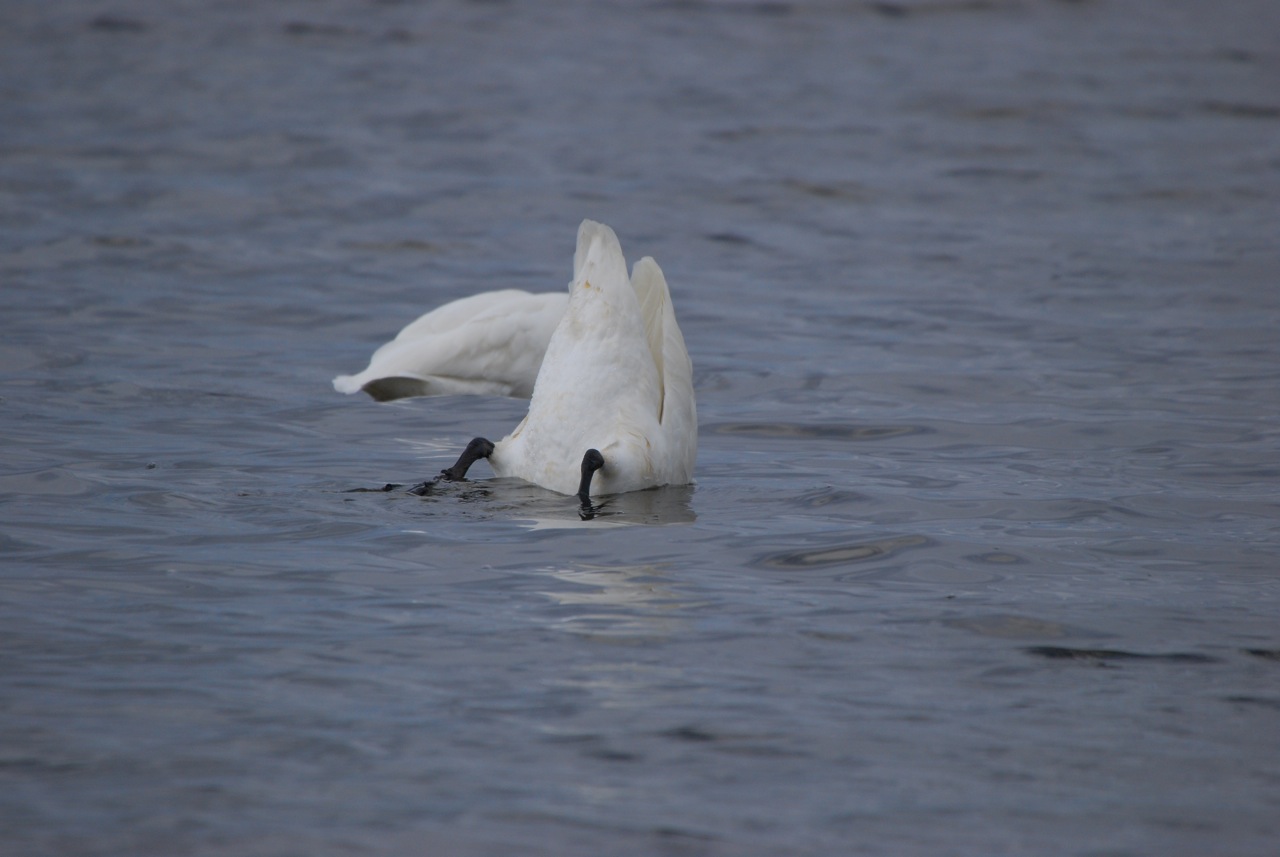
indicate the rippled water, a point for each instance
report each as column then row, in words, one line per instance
column 982, row 556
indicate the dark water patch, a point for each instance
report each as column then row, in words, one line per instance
column 313, row 28
column 768, row 9
column 889, row 10
column 1235, row 55
column 840, row 555
column 119, row 241
column 606, row 754
column 1015, row 626
column 843, row 191
column 997, row 558
column 983, row 173
column 831, row 636
column 800, row 431
column 1265, row 654
column 1103, row 656
column 918, row 482
column 902, row 10
column 729, row 238
column 403, row 245
column 1002, row 112
column 1237, row 110
column 1068, row 510
column 692, row 734
column 825, row 497
column 117, row 24
column 55, row 481
column 1259, row 701
column 756, row 746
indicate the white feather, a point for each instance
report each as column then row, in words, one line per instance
column 487, row 344
column 616, row 377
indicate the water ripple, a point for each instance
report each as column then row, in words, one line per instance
column 840, row 555
column 800, row 431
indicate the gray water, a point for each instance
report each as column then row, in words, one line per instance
column 982, row 300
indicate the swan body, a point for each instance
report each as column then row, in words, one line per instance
column 616, row 380
column 489, row 344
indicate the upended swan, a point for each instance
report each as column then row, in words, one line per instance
column 489, row 344
column 612, row 404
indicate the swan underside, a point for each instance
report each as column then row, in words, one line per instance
column 406, row 386
column 390, row 389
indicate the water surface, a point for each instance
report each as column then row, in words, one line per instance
column 981, row 558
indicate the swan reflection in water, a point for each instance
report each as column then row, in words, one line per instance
column 616, row 603
column 536, row 508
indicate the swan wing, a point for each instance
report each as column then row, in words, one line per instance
column 487, row 344
column 654, row 299
column 678, row 410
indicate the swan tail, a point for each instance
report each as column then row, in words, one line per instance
column 678, row 412
column 597, row 244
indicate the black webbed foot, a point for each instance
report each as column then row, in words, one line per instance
column 477, row 449
column 591, row 462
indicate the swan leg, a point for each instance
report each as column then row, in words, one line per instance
column 478, row 448
column 591, row 462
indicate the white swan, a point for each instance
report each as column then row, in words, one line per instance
column 489, row 344
column 614, row 398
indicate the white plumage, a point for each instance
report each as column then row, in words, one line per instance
column 616, row 378
column 610, row 380
column 489, row 344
